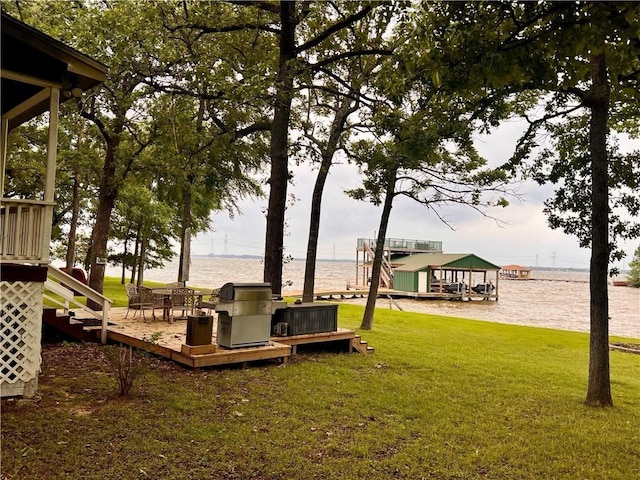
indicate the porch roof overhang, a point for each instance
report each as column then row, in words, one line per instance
column 32, row 62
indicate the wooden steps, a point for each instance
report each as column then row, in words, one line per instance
column 68, row 325
column 360, row 345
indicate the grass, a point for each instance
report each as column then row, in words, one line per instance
column 441, row 398
column 115, row 291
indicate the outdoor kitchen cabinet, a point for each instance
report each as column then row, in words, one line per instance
column 306, row 318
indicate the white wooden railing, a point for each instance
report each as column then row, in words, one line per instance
column 64, row 285
column 24, row 224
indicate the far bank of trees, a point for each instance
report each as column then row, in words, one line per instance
column 209, row 102
column 634, row 273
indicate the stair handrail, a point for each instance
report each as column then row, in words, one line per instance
column 65, row 286
column 386, row 269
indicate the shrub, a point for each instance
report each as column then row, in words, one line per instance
column 125, row 367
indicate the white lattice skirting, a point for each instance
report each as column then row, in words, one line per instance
column 20, row 336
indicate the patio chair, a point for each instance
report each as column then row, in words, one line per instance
column 214, row 297
column 182, row 299
column 133, row 299
column 150, row 301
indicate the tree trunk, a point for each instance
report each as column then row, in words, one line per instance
column 100, row 233
column 70, row 256
column 185, row 235
column 279, row 175
column 367, row 319
column 599, row 389
column 125, row 257
column 337, row 127
column 134, row 262
column 314, row 230
column 141, row 260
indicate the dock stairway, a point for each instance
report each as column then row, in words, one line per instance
column 386, row 272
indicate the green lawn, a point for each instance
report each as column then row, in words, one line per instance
column 441, row 398
column 113, row 290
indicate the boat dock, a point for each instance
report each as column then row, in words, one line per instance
column 389, row 292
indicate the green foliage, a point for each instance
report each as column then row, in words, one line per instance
column 534, row 62
column 424, row 151
column 26, row 161
column 567, row 164
column 634, row 273
column 165, row 119
column 141, row 217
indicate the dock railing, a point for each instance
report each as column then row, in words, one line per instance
column 403, row 244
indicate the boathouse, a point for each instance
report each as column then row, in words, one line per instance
column 515, row 272
column 394, row 248
column 444, row 274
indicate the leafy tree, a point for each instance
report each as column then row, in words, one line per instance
column 425, row 154
column 580, row 62
column 25, row 168
column 634, row 273
column 78, row 154
column 298, row 38
column 143, row 56
column 332, row 97
column 217, row 141
column 115, row 34
column 199, row 168
column 140, row 218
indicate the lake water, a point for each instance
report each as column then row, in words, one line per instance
column 554, row 299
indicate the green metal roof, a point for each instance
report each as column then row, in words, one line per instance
column 462, row 261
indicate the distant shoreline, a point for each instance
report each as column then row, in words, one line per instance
column 348, row 260
column 260, row 257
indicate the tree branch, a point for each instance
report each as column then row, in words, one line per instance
column 343, row 55
column 333, row 29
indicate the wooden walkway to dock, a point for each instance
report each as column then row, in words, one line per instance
column 168, row 340
column 388, row 292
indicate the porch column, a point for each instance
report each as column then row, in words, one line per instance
column 50, row 178
column 4, row 135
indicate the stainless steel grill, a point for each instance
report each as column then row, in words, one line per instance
column 244, row 314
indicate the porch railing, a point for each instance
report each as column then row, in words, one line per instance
column 64, row 285
column 23, row 227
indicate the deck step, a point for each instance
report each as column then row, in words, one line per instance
column 360, row 345
column 68, row 325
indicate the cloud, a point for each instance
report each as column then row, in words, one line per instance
column 525, row 238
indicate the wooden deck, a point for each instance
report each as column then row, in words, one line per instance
column 389, row 292
column 333, row 294
column 386, row 292
column 168, row 340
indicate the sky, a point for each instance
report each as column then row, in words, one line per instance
column 523, row 238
